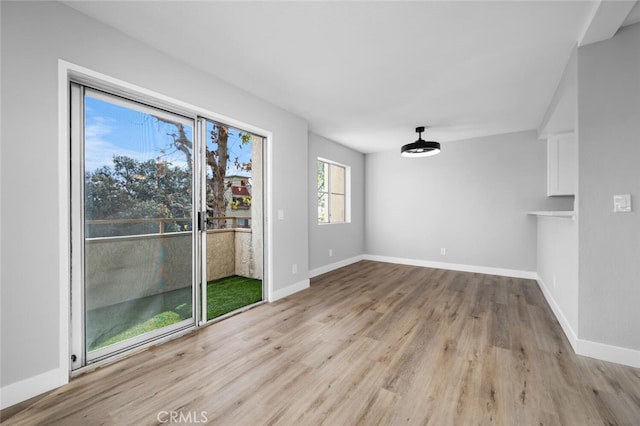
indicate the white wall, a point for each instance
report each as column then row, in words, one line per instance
column 345, row 239
column 34, row 36
column 609, row 158
column 557, row 267
column 470, row 199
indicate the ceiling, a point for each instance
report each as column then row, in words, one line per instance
column 365, row 74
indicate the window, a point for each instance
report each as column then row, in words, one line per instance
column 333, row 196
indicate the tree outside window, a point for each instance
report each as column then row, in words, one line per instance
column 332, row 194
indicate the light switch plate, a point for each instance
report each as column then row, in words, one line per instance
column 622, row 203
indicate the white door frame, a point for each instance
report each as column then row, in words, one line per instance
column 68, row 71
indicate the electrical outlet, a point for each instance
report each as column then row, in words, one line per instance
column 330, row 252
column 294, row 268
column 443, row 251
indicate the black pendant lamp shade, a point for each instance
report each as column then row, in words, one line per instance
column 420, row 148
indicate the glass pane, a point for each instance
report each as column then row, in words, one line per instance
column 234, row 218
column 337, row 179
column 337, row 208
column 138, row 220
column 323, row 174
column 323, row 207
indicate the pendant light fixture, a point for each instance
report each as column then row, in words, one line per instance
column 420, row 148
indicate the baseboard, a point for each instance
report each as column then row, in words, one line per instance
column 589, row 348
column 564, row 323
column 289, row 290
column 514, row 273
column 609, row 353
column 333, row 266
column 33, row 386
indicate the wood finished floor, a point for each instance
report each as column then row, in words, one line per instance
column 371, row 343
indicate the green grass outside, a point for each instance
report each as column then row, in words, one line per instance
column 163, row 319
column 129, row 319
column 115, row 323
column 228, row 294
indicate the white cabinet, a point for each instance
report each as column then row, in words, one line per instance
column 562, row 164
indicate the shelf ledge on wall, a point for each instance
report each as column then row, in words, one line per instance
column 559, row 214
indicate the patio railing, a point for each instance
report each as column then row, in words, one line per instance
column 180, row 224
column 116, row 263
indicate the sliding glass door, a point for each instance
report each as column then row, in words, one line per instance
column 134, row 274
column 167, row 222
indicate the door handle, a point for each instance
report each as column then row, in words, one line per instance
column 202, row 221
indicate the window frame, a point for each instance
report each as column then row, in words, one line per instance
column 347, row 192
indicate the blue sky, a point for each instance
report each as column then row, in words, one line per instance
column 112, row 129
